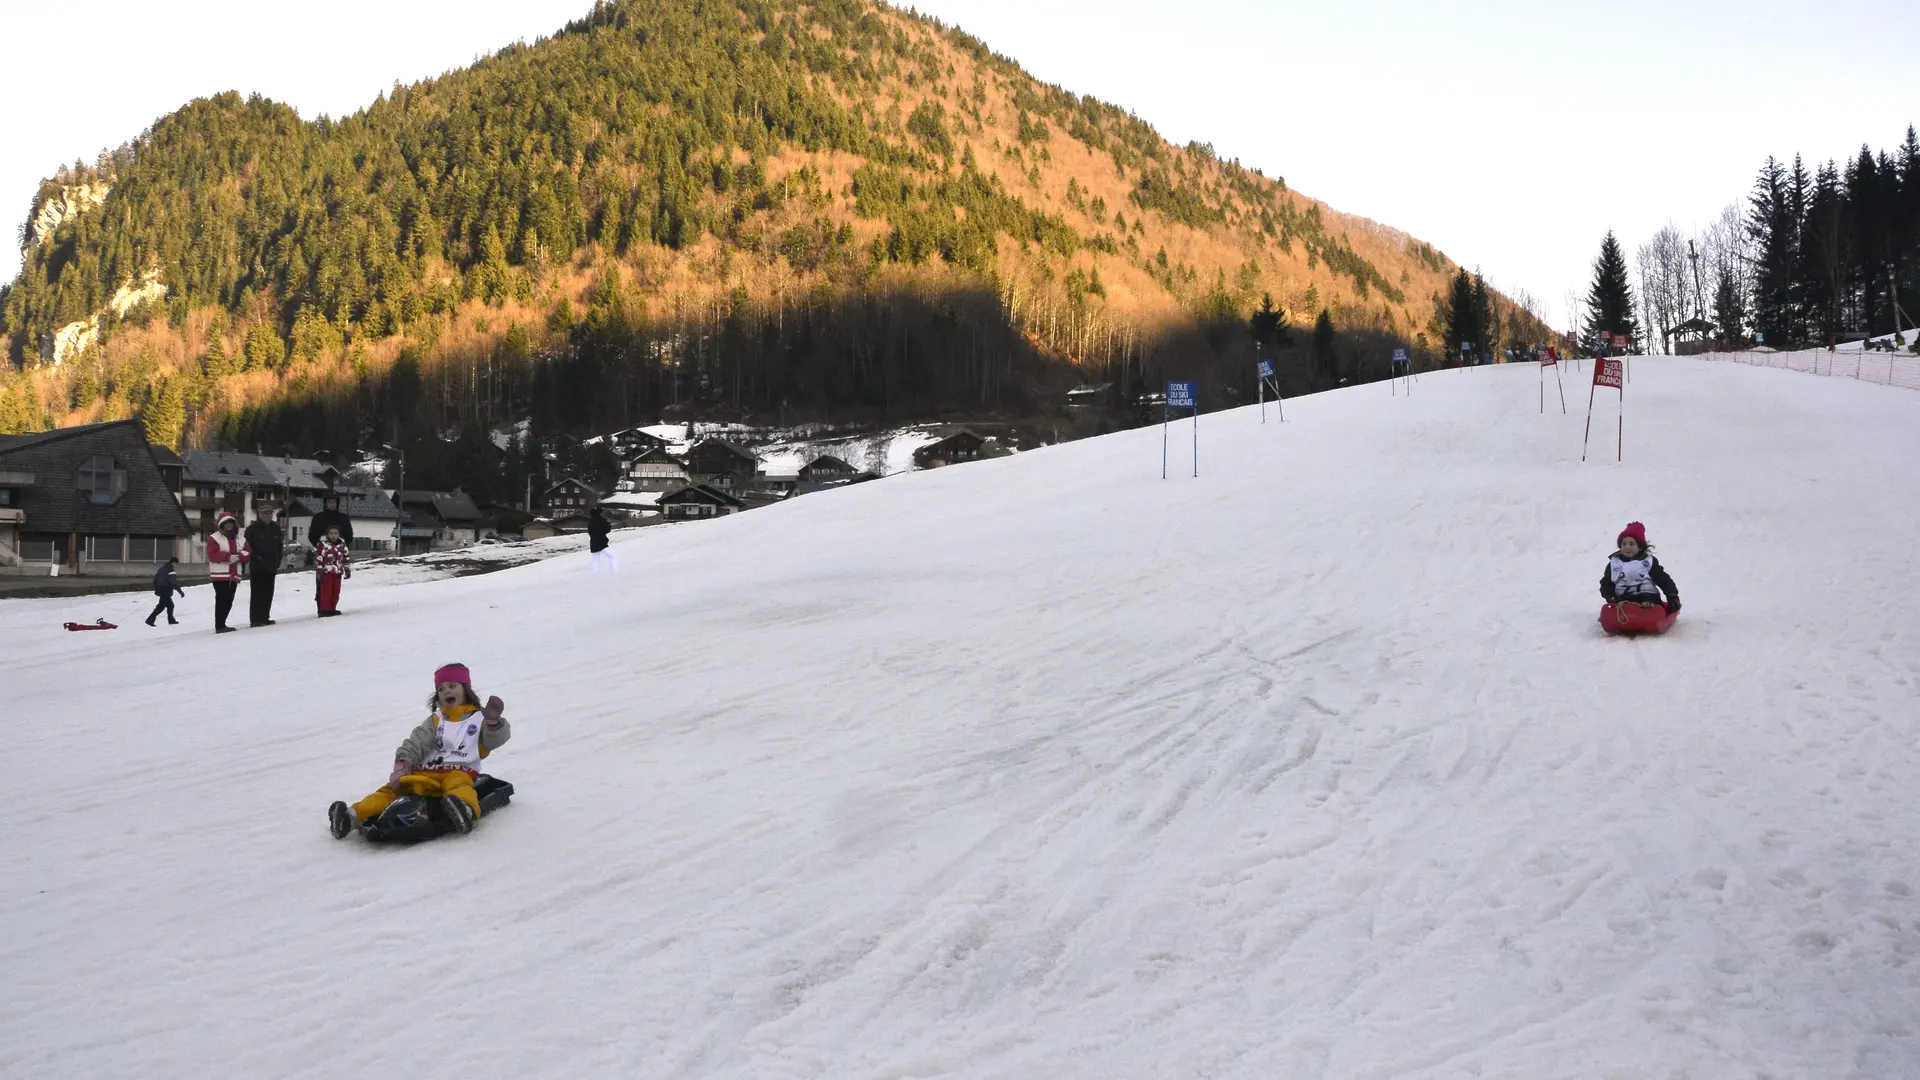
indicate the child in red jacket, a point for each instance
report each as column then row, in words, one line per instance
column 330, row 565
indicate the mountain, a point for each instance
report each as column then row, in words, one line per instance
column 730, row 209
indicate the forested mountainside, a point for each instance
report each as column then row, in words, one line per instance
column 742, row 208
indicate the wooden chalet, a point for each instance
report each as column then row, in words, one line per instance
column 961, row 446
column 90, row 499
column 570, row 496
column 721, row 464
column 699, row 501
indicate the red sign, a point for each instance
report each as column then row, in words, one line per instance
column 1620, row 341
column 1609, row 373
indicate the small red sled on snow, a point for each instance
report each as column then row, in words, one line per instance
column 101, row 625
column 1636, row 618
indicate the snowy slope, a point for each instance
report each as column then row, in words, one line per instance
column 1315, row 766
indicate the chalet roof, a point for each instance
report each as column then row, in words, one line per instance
column 701, row 493
column 164, row 456
column 827, row 461
column 656, row 456
column 449, row 506
column 228, row 468
column 732, row 448
column 56, row 503
column 354, row 502
column 569, row 482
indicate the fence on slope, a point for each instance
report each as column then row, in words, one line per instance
column 1888, row 369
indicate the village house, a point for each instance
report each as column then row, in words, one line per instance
column 439, row 521
column 570, row 496
column 961, row 446
column 721, row 464
column 826, row 469
column 243, row 485
column 656, row 470
column 699, row 501
column 88, row 500
column 634, row 442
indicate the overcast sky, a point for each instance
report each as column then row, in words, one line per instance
column 1510, row 135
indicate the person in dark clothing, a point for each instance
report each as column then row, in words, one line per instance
column 165, row 584
column 597, row 529
column 1634, row 576
column 267, row 544
column 330, row 516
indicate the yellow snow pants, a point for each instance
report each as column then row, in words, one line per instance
column 437, row 782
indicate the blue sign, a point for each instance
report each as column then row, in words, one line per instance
column 1182, row 395
column 1266, row 369
column 1399, row 356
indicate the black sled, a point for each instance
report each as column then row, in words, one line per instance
column 413, row 818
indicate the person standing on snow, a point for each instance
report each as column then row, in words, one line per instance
column 165, row 584
column 227, row 556
column 440, row 758
column 597, row 529
column 330, row 565
column 267, row 543
column 1634, row 576
column 330, row 517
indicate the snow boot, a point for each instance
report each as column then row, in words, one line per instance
column 459, row 814
column 340, row 820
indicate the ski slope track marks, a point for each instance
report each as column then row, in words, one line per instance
column 1315, row 766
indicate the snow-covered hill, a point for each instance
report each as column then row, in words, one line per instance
column 1315, row 766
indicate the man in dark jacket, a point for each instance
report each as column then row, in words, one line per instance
column 267, row 543
column 330, row 516
column 165, row 584
column 597, row 529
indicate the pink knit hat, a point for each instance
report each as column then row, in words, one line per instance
column 453, row 673
column 1635, row 530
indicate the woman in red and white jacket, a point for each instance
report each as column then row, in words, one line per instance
column 227, row 555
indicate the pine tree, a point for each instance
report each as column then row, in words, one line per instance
column 1326, row 360
column 1456, row 316
column 165, row 414
column 1609, row 301
column 1268, row 326
column 1482, row 324
column 1771, row 225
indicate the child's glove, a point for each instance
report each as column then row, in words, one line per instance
column 494, row 708
column 400, row 769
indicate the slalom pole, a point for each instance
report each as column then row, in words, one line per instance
column 1620, row 446
column 1164, row 412
column 1543, row 388
column 1196, row 436
column 1563, row 389
column 1584, row 439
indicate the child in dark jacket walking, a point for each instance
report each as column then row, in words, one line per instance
column 1634, row 576
column 165, row 584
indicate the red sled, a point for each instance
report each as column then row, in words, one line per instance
column 1636, row 619
column 101, row 625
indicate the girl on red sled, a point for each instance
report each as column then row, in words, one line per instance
column 1634, row 576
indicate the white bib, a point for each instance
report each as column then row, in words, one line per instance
column 456, row 743
column 1632, row 577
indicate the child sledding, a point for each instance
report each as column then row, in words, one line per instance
column 1640, row 595
column 435, row 785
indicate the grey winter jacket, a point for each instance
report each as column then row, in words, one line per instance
column 420, row 743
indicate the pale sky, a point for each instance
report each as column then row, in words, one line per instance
column 1510, row 135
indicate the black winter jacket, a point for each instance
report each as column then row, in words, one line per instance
column 1661, row 579
column 334, row 518
column 166, row 582
column 597, row 529
column 267, row 543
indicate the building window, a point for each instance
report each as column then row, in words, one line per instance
column 102, row 480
